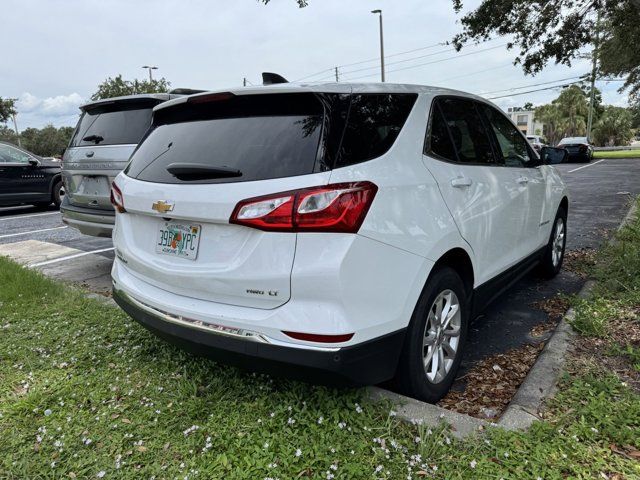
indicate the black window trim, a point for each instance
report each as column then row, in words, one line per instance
column 427, row 143
column 535, row 159
column 492, row 139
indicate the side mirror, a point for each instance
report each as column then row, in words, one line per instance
column 553, row 156
column 33, row 162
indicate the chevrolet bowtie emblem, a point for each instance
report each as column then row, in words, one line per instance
column 162, row 207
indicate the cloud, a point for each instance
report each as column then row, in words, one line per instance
column 59, row 110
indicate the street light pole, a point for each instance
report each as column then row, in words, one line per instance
column 150, row 68
column 594, row 71
column 379, row 12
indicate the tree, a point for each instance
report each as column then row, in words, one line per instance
column 573, row 106
column 550, row 116
column 558, row 29
column 7, row 109
column 8, row 135
column 613, row 127
column 527, row 106
column 47, row 141
column 117, row 87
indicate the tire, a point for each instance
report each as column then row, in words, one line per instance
column 424, row 338
column 58, row 193
column 553, row 257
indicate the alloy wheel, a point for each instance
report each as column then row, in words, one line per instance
column 557, row 246
column 441, row 336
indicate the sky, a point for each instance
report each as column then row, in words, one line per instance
column 56, row 52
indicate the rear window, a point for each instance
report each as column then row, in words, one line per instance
column 269, row 136
column 115, row 124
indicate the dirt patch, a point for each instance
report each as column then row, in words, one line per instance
column 491, row 384
column 580, row 261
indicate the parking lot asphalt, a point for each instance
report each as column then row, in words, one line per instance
column 600, row 196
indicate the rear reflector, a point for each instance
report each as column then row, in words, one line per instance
column 340, row 207
column 117, row 199
column 312, row 337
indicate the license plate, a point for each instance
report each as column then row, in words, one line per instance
column 179, row 240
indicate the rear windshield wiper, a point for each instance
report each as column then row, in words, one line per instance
column 199, row 171
column 93, row 138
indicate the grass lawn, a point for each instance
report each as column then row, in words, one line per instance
column 617, row 154
column 87, row 393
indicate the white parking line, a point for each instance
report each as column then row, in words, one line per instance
column 32, row 231
column 585, row 166
column 29, row 215
column 70, row 257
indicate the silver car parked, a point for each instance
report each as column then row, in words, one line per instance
column 107, row 133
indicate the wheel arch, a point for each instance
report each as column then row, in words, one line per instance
column 564, row 203
column 460, row 261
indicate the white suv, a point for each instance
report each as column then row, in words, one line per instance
column 349, row 230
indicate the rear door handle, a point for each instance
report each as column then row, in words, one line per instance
column 461, row 182
column 523, row 180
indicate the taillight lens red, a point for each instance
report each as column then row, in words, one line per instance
column 117, row 199
column 340, row 207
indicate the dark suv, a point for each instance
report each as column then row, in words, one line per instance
column 107, row 133
column 26, row 178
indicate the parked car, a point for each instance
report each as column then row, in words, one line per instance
column 352, row 231
column 578, row 148
column 26, row 178
column 106, row 134
column 537, row 142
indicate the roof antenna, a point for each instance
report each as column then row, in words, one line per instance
column 269, row 78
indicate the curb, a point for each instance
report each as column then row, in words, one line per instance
column 540, row 383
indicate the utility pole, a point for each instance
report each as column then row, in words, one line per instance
column 337, row 76
column 379, row 12
column 15, row 127
column 594, row 70
column 150, row 68
column 244, row 81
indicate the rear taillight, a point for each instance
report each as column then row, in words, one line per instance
column 340, row 207
column 583, row 148
column 117, row 199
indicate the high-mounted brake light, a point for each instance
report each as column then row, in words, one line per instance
column 117, row 199
column 340, row 207
column 210, row 97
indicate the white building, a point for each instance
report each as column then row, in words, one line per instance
column 524, row 119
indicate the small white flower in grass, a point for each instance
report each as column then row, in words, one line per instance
column 506, row 454
column 379, row 468
column 473, row 464
column 358, row 408
column 291, row 421
column 266, row 444
column 320, row 420
column 272, row 414
column 101, row 474
column 333, row 467
column 594, row 430
column 539, row 478
column 417, row 439
column 298, row 452
column 333, row 450
column 341, row 425
column 47, row 412
column 393, row 413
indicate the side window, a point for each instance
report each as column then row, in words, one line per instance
column 470, row 138
column 513, row 145
column 9, row 154
column 439, row 140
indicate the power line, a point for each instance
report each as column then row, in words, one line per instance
column 532, row 85
column 492, row 69
column 377, row 59
column 434, row 61
column 400, row 61
column 537, row 90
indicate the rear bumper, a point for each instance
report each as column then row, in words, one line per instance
column 98, row 223
column 366, row 363
column 579, row 157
